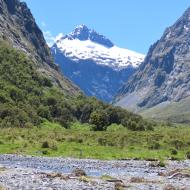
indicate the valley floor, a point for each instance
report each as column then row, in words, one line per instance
column 40, row 173
column 117, row 143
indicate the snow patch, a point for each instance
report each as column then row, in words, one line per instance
column 58, row 37
column 115, row 57
column 186, row 28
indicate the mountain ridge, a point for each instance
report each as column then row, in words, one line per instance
column 82, row 32
column 99, row 70
column 19, row 29
column 164, row 76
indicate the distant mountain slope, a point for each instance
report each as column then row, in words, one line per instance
column 175, row 112
column 164, row 76
column 18, row 27
column 94, row 63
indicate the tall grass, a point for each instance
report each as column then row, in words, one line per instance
column 53, row 140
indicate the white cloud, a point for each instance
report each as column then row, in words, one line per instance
column 43, row 24
column 50, row 39
column 59, row 36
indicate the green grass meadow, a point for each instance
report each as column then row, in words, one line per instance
column 79, row 141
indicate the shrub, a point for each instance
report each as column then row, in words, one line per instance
column 188, row 155
column 134, row 126
column 115, row 127
column 113, row 115
column 80, row 127
column 177, row 144
column 99, row 120
column 45, row 144
column 44, row 112
column 71, row 139
column 161, row 164
column 174, row 152
column 102, row 141
column 154, row 145
column 47, row 82
column 54, row 147
column 45, row 152
column 80, row 140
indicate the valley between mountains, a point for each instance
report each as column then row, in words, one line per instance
column 109, row 117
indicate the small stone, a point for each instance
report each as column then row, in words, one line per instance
column 137, row 180
column 79, row 172
column 119, row 185
column 169, row 187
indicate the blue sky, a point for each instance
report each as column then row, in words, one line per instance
column 132, row 24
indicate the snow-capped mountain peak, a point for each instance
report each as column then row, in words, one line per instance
column 86, row 44
column 82, row 33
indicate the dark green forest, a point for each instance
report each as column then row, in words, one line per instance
column 27, row 98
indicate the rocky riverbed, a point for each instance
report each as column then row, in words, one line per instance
column 41, row 173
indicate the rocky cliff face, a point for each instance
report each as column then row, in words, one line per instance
column 18, row 28
column 164, row 77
